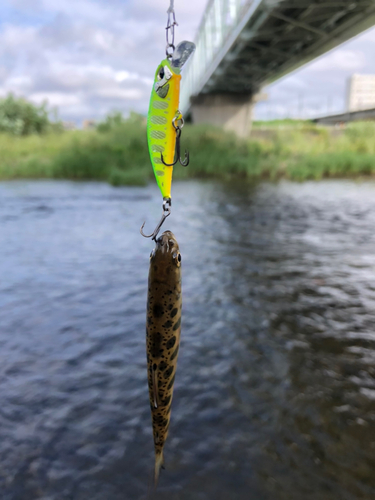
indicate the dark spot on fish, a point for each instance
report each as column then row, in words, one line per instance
column 160, row 420
column 174, row 354
column 177, row 324
column 174, row 312
column 154, row 366
column 156, row 345
column 168, row 324
column 162, row 366
column 166, row 401
column 171, row 342
column 149, row 320
column 170, row 385
column 170, row 307
column 168, row 372
column 158, row 310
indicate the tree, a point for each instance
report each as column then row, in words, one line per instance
column 20, row 117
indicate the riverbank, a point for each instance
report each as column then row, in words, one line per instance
column 119, row 155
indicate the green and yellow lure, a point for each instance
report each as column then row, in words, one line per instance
column 164, row 116
column 161, row 134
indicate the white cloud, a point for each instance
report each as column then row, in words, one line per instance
column 346, row 59
column 121, row 76
column 55, row 98
column 87, row 10
column 92, row 56
column 119, row 93
column 19, row 83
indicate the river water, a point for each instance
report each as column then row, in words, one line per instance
column 275, row 388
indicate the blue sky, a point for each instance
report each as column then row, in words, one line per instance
column 88, row 57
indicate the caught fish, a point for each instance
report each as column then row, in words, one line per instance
column 163, row 335
column 164, row 116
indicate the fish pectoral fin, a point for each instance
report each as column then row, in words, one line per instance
column 155, row 388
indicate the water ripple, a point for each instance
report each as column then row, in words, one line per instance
column 275, row 390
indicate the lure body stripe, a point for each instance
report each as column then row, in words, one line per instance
column 163, row 335
column 161, row 135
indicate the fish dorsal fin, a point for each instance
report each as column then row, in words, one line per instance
column 155, row 388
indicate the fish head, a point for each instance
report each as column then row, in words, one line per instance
column 164, row 76
column 166, row 254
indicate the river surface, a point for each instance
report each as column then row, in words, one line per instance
column 275, row 388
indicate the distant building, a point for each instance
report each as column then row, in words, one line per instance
column 361, row 92
column 89, row 124
column 69, row 125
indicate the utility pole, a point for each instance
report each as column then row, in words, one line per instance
column 300, row 106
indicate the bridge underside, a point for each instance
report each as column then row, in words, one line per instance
column 273, row 38
column 232, row 111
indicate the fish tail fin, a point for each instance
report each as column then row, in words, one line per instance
column 159, row 462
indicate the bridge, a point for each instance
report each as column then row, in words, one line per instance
column 348, row 116
column 243, row 45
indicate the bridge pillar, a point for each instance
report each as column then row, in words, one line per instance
column 233, row 112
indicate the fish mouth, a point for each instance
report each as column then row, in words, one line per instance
column 167, row 242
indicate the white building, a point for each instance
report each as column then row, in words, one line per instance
column 361, row 92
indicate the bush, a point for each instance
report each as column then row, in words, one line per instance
column 117, row 152
column 20, row 117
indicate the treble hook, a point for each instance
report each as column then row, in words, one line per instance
column 167, row 203
column 184, row 162
column 177, row 128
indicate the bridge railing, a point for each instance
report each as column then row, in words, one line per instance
column 219, row 20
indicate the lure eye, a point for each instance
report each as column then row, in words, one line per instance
column 161, row 73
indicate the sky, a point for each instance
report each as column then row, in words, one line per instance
column 90, row 57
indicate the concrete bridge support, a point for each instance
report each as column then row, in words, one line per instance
column 233, row 112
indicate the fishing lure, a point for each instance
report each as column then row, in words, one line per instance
column 163, row 335
column 164, row 120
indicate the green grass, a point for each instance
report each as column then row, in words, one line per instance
column 118, row 154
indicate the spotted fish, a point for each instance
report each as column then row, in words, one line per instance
column 163, row 335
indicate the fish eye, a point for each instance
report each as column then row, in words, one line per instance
column 177, row 258
column 161, row 73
